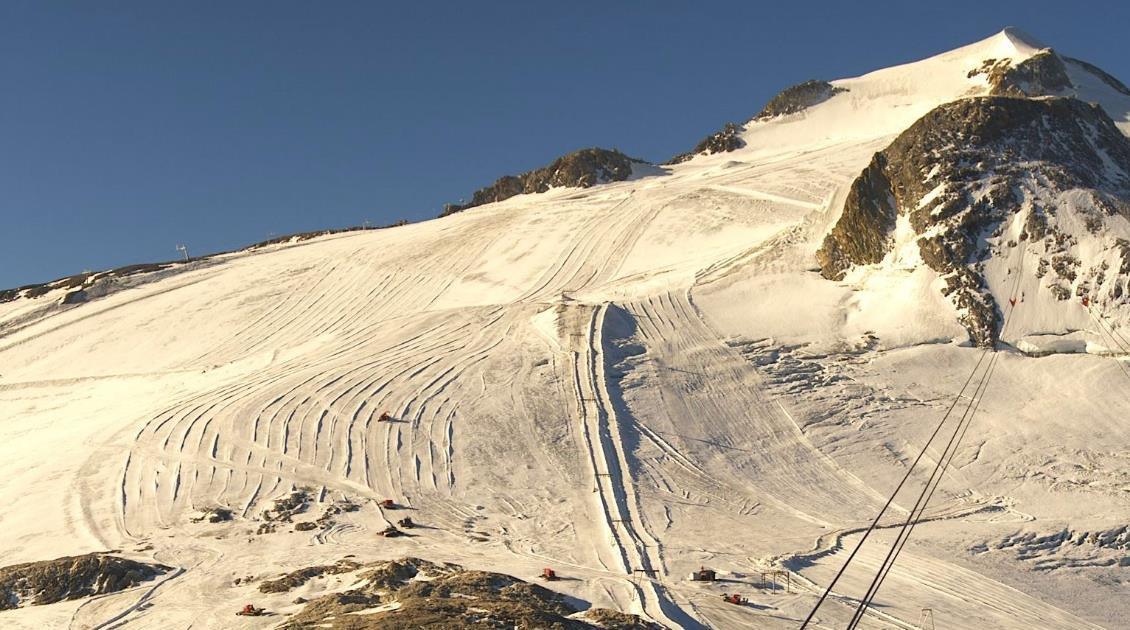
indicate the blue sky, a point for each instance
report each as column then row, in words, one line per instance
column 129, row 127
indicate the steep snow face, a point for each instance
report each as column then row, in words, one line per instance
column 887, row 101
column 623, row 383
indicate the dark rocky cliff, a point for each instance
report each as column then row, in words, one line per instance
column 960, row 171
column 723, row 141
column 1042, row 74
column 791, row 100
column 798, row 98
column 1045, row 73
column 579, row 169
column 73, row 577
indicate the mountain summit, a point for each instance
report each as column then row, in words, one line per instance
column 601, row 378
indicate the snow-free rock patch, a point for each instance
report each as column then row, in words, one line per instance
column 71, row 577
column 415, row 593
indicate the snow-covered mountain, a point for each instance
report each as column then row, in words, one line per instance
column 727, row 361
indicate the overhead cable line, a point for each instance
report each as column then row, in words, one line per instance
column 940, row 466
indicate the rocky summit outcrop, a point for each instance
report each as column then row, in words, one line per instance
column 798, row 98
column 579, row 169
column 415, row 593
column 723, row 141
column 962, row 170
column 1042, row 74
column 1046, row 73
column 72, row 577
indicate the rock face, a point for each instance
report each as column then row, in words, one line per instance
column 965, row 168
column 297, row 578
column 580, row 169
column 724, row 141
column 73, row 577
column 790, row 101
column 415, row 593
column 1044, row 74
column 798, row 98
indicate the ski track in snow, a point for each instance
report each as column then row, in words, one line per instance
column 567, row 386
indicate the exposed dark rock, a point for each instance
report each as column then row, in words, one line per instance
column 72, row 577
column 294, row 579
column 76, row 296
column 798, row 98
column 616, row 620
column 284, row 510
column 77, row 283
column 724, row 141
column 394, row 574
column 1042, row 74
column 579, row 169
column 1124, row 250
column 961, row 170
column 215, row 515
column 861, row 235
column 449, row 596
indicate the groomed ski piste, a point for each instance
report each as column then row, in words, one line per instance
column 624, row 383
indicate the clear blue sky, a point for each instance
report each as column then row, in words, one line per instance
column 129, row 127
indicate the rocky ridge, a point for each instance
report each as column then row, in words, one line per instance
column 961, row 172
column 579, row 169
column 723, row 141
column 415, row 593
column 1046, row 73
column 798, row 98
column 72, row 577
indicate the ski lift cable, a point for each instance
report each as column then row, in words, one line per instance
column 1107, row 331
column 890, row 500
column 918, row 458
column 1110, row 329
column 976, row 406
column 935, row 479
column 923, row 500
column 943, row 463
column 1103, row 330
column 924, row 497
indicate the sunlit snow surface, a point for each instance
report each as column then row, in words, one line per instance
column 642, row 375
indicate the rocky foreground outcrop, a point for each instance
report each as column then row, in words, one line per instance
column 579, row 169
column 965, row 168
column 72, row 577
column 415, row 593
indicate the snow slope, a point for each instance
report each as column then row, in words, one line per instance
column 624, row 383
